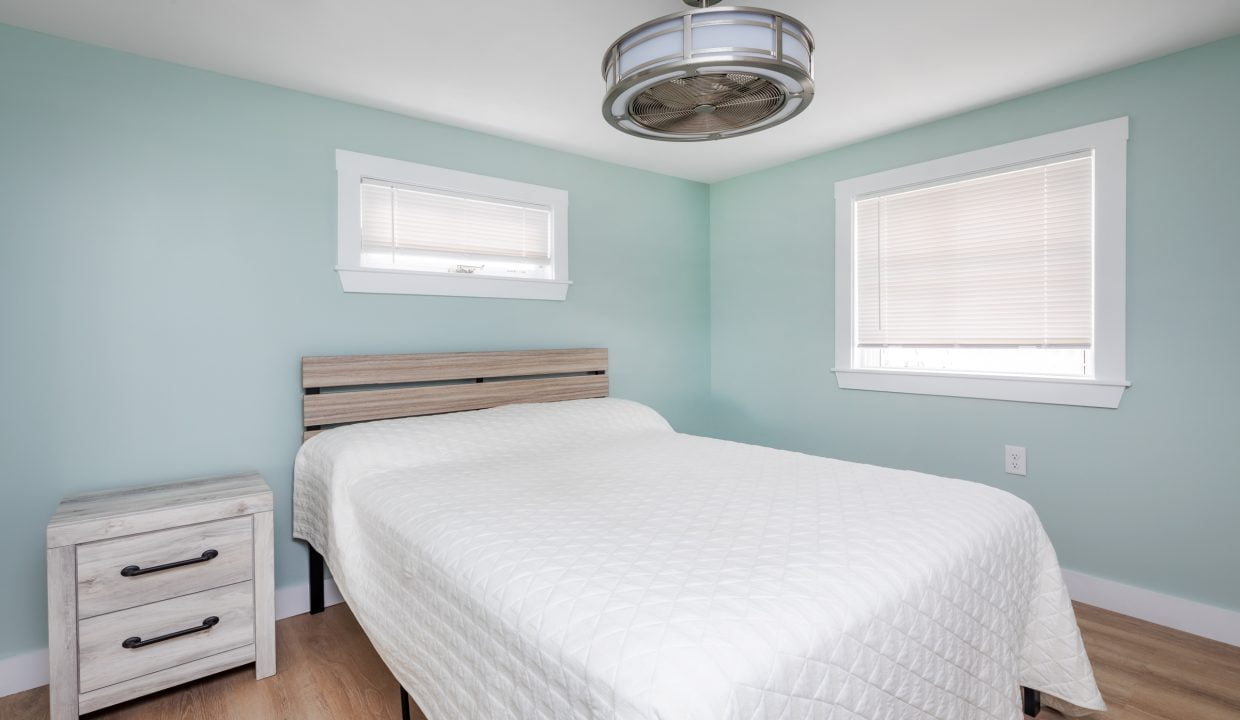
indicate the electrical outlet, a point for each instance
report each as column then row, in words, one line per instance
column 1014, row 460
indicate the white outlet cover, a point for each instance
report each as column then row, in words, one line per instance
column 1014, row 459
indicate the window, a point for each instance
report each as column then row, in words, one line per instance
column 416, row 229
column 993, row 274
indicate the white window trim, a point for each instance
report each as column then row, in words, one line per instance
column 351, row 167
column 1109, row 141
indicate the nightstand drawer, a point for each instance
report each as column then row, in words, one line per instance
column 140, row 569
column 164, row 634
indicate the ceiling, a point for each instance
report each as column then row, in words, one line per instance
column 530, row 70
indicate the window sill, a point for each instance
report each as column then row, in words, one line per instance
column 413, row 282
column 1054, row 391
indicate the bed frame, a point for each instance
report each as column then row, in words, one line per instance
column 345, row 389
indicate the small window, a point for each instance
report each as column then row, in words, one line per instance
column 416, row 229
column 995, row 274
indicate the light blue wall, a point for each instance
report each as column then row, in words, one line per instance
column 1148, row 494
column 169, row 238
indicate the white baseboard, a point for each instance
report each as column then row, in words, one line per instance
column 1189, row 616
column 29, row 670
column 22, row 672
column 295, row 599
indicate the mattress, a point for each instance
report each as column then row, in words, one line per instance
column 582, row 560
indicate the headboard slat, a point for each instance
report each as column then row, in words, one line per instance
column 364, row 405
column 351, row 397
column 346, row 370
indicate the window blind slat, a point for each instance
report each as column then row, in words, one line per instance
column 1002, row 260
column 399, row 219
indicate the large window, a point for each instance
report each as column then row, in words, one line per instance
column 997, row 273
column 417, row 229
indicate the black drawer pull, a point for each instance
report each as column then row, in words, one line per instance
column 132, row 570
column 137, row 642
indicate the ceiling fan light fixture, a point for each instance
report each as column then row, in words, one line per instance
column 708, row 73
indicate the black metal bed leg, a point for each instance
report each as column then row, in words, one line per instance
column 404, row 703
column 1032, row 701
column 316, row 582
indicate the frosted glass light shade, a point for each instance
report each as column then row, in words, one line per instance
column 708, row 73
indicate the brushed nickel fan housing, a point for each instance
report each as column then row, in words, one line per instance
column 708, row 73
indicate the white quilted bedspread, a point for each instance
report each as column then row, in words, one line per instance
column 582, row 560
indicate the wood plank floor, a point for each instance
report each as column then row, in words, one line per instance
column 328, row 669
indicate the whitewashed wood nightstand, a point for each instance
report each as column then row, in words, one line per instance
column 149, row 587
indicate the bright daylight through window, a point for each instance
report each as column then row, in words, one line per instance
column 437, row 231
column 406, row 228
column 991, row 274
column 1000, row 264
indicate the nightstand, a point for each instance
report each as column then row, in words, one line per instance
column 149, row 587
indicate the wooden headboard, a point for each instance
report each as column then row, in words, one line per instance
column 342, row 389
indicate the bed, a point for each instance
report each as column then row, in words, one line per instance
column 516, row 544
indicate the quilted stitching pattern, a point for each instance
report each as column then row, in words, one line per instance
column 582, row 560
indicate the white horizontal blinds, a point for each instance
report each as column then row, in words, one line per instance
column 1004, row 259
column 401, row 218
